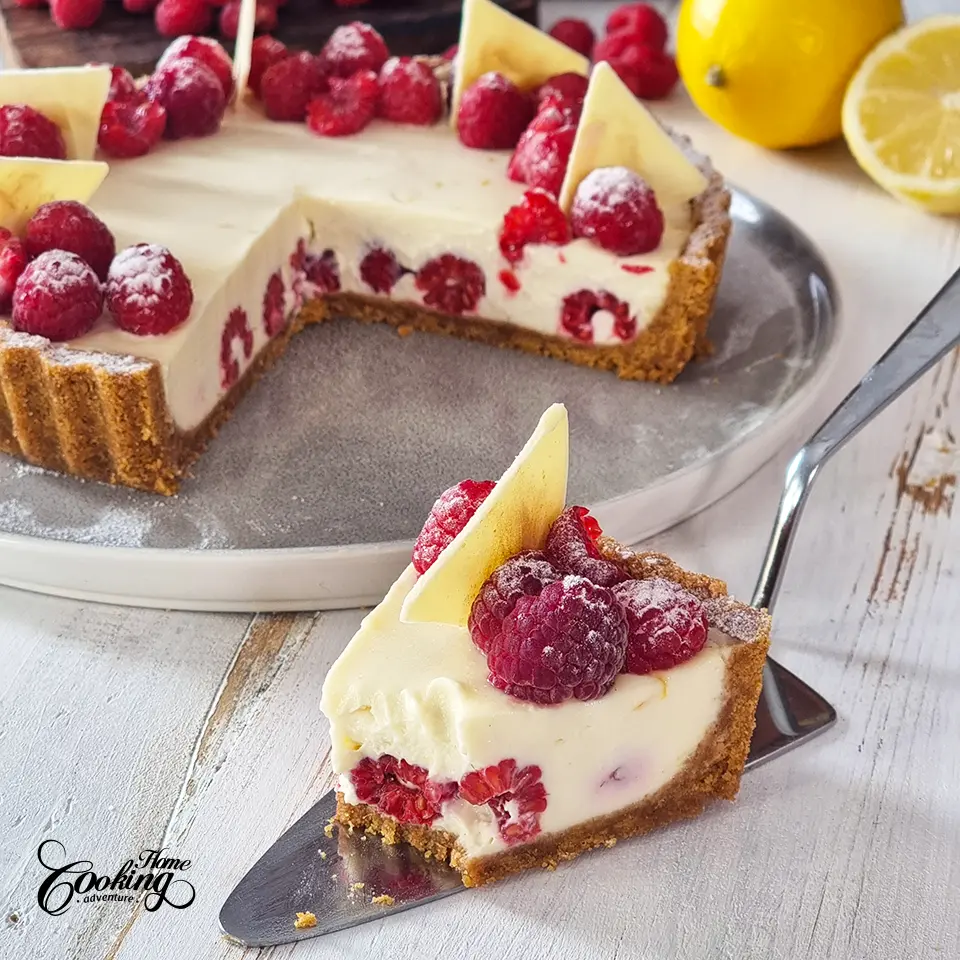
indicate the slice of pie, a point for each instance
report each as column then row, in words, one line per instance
column 529, row 689
column 422, row 217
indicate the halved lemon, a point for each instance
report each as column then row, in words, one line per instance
column 901, row 114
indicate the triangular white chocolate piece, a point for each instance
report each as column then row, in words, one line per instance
column 28, row 182
column 516, row 516
column 72, row 97
column 243, row 48
column 493, row 39
column 617, row 130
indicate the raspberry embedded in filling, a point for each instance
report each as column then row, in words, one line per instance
column 399, row 789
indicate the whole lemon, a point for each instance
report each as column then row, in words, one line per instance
column 774, row 71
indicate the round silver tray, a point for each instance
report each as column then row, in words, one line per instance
column 311, row 494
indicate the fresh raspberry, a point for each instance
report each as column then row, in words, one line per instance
column 666, row 625
column 72, row 226
column 354, row 47
column 516, row 797
column 130, row 129
column 650, row 74
column 274, row 307
column 323, row 271
column 541, row 159
column 493, row 113
column 58, row 296
column 576, row 34
column 265, row 52
column 641, row 20
column 399, row 789
column 617, row 209
column 265, row 18
column 579, row 309
column 451, row 52
column 568, row 642
column 348, row 106
column 123, row 87
column 567, row 87
column 208, row 52
column 451, row 284
column 448, row 516
column 25, row 132
column 147, row 291
column 236, row 334
column 615, row 45
column 524, row 575
column 75, row 14
column 409, row 92
column 288, row 86
column 380, row 269
column 176, row 17
column 192, row 96
column 571, row 548
column 13, row 261
column 536, row 219
column 140, row 6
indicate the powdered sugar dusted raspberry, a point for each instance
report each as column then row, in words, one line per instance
column 147, row 291
column 493, row 113
column 409, row 92
column 541, row 159
column 667, row 625
column 237, row 337
column 13, row 261
column 524, row 575
column 58, row 296
column 451, row 284
column 131, row 129
column 25, row 132
column 69, row 225
column 265, row 52
column 617, row 209
column 580, row 308
column 347, row 107
column 353, row 47
column 572, row 549
column 380, row 269
column 517, row 797
column 274, row 313
column 122, row 85
column 448, row 516
column 568, row 642
column 192, row 96
column 536, row 219
column 208, row 52
column 399, row 789
column 288, row 86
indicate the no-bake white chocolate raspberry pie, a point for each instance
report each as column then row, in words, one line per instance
column 248, row 200
column 529, row 689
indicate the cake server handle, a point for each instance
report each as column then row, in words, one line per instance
column 928, row 339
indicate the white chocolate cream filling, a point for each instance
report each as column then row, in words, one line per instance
column 232, row 207
column 419, row 692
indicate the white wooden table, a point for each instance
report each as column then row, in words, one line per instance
column 122, row 729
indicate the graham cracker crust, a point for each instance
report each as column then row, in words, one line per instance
column 712, row 773
column 105, row 417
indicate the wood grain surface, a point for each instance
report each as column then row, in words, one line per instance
column 121, row 729
column 414, row 26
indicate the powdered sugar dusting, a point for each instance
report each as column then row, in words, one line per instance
column 604, row 189
column 736, row 620
column 145, row 272
column 60, row 272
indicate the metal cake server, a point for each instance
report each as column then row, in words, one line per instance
column 338, row 878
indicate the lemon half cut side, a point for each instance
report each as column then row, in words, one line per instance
column 901, row 114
